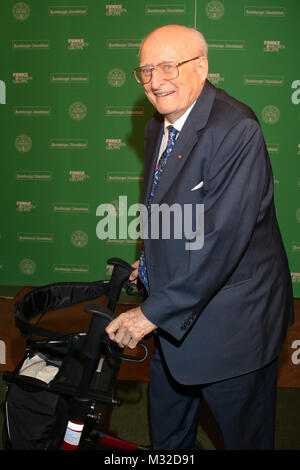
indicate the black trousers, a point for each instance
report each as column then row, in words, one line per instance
column 244, row 408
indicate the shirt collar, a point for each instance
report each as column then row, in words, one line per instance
column 178, row 124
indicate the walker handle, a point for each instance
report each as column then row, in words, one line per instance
column 96, row 337
column 120, row 275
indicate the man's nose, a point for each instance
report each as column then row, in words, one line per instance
column 156, row 79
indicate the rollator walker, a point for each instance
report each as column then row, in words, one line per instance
column 57, row 408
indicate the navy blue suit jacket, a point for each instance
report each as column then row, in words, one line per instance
column 222, row 310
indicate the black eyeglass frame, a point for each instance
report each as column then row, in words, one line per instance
column 138, row 69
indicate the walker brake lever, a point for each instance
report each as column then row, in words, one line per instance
column 115, row 350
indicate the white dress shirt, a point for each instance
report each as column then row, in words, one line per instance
column 178, row 124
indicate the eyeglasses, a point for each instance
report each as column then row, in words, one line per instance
column 167, row 70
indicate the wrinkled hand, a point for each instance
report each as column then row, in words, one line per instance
column 129, row 328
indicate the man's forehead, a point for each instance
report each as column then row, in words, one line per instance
column 155, row 54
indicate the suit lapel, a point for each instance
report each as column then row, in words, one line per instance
column 184, row 144
column 177, row 159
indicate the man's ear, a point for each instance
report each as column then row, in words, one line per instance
column 202, row 64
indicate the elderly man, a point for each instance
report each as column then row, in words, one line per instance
column 220, row 311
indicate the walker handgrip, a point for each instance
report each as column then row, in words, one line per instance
column 101, row 317
column 120, row 274
column 119, row 262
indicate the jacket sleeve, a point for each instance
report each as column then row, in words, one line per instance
column 236, row 191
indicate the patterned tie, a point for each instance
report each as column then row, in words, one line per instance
column 157, row 174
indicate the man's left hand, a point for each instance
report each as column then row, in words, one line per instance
column 129, row 328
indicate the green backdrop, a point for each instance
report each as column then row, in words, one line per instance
column 73, row 117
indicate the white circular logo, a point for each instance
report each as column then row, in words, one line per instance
column 79, row 238
column 116, row 77
column 270, row 114
column 77, row 111
column 27, row 266
column 214, row 10
column 23, row 143
column 21, row 11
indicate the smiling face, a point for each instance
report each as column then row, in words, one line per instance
column 175, row 44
